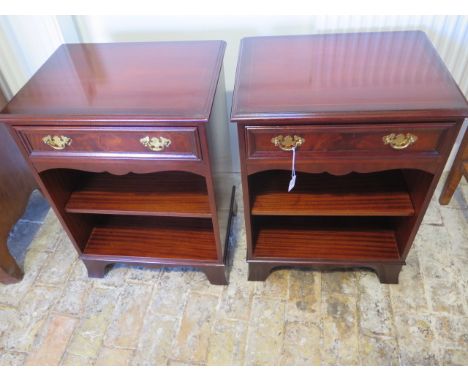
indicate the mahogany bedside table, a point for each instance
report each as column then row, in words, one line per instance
column 118, row 138
column 370, row 118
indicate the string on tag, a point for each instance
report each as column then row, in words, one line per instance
column 292, row 182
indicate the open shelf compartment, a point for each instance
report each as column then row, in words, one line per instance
column 344, row 239
column 356, row 194
column 123, row 237
column 157, row 194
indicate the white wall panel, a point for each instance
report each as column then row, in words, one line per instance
column 25, row 44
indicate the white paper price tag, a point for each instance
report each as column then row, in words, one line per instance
column 292, row 182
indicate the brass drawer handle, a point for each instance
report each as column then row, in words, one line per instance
column 57, row 142
column 399, row 141
column 155, row 144
column 287, row 143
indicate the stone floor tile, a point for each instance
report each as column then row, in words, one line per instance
column 439, row 269
column 49, row 353
column 76, row 360
column 97, row 314
column 451, row 331
column 227, row 343
column 35, row 258
column 191, row 344
column 302, row 341
column 37, row 208
column 33, row 311
column 114, row 357
column 12, row 358
column 432, row 215
column 275, row 286
column 174, row 362
column 456, row 224
column 409, row 294
column 416, row 339
column 340, row 343
column 58, row 266
column 128, row 316
column 304, row 296
column 20, row 238
column 12, row 294
column 445, row 295
column 73, row 298
column 114, row 277
column 143, row 274
column 266, row 331
column 454, row 357
column 378, row 351
column 47, row 237
column 79, row 272
column 196, row 280
column 374, row 307
column 343, row 282
column 8, row 316
column 236, row 301
column 170, row 294
column 156, row 339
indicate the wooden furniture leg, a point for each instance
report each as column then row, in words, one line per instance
column 459, row 169
column 16, row 185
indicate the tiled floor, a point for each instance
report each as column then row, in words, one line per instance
column 135, row 316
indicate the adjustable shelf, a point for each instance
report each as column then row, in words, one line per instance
column 375, row 194
column 173, row 193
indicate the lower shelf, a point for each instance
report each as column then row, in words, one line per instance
column 120, row 237
column 323, row 238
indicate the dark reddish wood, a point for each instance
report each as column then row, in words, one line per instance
column 16, row 185
column 344, row 239
column 148, row 237
column 87, row 141
column 386, row 272
column 160, row 194
column 459, row 169
column 96, row 268
column 159, row 80
column 106, row 97
column 345, row 77
column 342, row 93
column 375, row 194
column 340, row 140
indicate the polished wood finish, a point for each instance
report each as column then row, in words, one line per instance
column 118, row 198
column 459, row 169
column 354, row 76
column 112, row 141
column 142, row 238
column 16, row 185
column 349, row 239
column 161, row 194
column 375, row 194
column 340, row 140
column 342, row 95
column 173, row 81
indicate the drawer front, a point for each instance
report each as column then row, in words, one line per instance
column 335, row 140
column 157, row 142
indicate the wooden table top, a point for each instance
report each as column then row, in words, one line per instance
column 161, row 80
column 311, row 77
